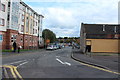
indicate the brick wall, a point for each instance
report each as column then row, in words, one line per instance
column 20, row 40
column 9, row 40
column 30, row 42
column 24, row 40
column 3, row 43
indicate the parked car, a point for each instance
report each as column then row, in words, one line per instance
column 50, row 47
column 55, row 47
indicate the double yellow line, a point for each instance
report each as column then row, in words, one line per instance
column 99, row 68
column 14, row 72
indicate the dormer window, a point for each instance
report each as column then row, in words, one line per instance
column 103, row 27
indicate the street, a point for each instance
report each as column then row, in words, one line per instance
column 50, row 64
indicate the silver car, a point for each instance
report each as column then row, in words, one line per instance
column 50, row 47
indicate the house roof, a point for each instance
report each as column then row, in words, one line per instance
column 101, row 29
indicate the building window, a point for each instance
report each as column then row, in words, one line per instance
column 23, row 17
column 36, row 23
column 2, row 22
column 1, row 37
column 30, row 39
column 33, row 23
column 27, row 25
column 3, row 7
column 8, row 4
column 33, row 31
column 26, row 38
column 115, row 29
column 22, row 28
column 36, row 31
column 13, row 38
column 21, row 40
column 103, row 27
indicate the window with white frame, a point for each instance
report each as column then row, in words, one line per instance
column 3, row 7
column 2, row 22
column 13, row 38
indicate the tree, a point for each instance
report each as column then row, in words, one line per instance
column 48, row 34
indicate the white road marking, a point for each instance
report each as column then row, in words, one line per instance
column 57, row 56
column 63, row 62
column 59, row 61
column 22, row 64
column 15, row 62
column 68, row 63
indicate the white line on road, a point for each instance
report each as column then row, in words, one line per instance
column 15, row 62
column 57, row 56
column 59, row 61
column 63, row 62
column 22, row 64
column 68, row 63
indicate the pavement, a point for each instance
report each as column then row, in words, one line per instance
column 110, row 62
column 4, row 54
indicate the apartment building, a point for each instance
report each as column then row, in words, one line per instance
column 3, row 22
column 100, row 38
column 23, row 25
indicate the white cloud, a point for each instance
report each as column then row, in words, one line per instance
column 65, row 21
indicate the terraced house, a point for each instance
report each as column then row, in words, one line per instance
column 22, row 25
column 100, row 38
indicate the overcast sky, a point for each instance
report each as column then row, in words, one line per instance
column 64, row 17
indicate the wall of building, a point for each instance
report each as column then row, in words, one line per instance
column 3, row 41
column 11, row 36
column 15, row 27
column 82, row 39
column 104, row 45
column 3, row 15
column 13, row 22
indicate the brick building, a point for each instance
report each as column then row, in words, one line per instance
column 21, row 25
column 100, row 37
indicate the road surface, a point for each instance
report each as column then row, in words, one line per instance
column 49, row 64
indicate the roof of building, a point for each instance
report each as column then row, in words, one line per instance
column 101, row 31
column 102, row 28
column 24, row 4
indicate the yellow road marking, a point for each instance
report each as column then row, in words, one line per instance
column 101, row 69
column 11, row 69
column 5, row 72
column 98, row 67
column 14, row 71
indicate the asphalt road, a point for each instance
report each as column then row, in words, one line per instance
column 50, row 64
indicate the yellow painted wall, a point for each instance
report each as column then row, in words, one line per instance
column 31, row 17
column 105, row 45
